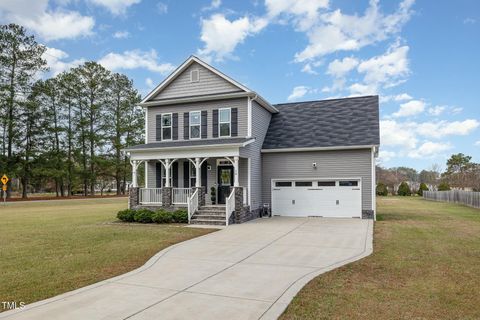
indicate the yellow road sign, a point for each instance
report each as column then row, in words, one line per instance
column 4, row 187
column 4, row 179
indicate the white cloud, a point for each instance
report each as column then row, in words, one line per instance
column 393, row 133
column 303, row 12
column 398, row 98
column 215, row 4
column 334, row 31
column 339, row 68
column 469, row 21
column 55, row 61
column 121, row 34
column 221, row 36
column 385, row 156
column 135, row 59
column 410, row 108
column 437, row 110
column 388, row 68
column 477, row 143
column 149, row 83
column 116, row 7
column 298, row 92
column 456, row 110
column 49, row 24
column 359, row 89
column 429, row 149
column 443, row 128
column 162, row 8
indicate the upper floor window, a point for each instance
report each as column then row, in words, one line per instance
column 224, row 121
column 195, row 124
column 167, row 126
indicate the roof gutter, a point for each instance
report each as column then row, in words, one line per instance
column 318, row 148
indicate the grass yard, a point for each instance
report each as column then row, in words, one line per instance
column 425, row 265
column 50, row 247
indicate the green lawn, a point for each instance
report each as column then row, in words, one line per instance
column 50, row 247
column 425, row 265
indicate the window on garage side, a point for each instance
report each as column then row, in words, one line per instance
column 283, row 184
column 348, row 183
column 326, row 183
column 303, row 183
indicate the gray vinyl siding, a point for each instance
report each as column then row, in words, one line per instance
column 150, row 179
column 260, row 122
column 209, row 106
column 209, row 83
column 330, row 164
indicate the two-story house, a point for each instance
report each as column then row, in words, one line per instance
column 220, row 149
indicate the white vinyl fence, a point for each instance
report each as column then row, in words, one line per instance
column 468, row 198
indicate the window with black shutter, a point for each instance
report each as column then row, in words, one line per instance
column 215, row 123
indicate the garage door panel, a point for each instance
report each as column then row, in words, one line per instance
column 340, row 200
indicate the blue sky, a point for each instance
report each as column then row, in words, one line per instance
column 421, row 57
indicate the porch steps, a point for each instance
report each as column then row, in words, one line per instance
column 209, row 215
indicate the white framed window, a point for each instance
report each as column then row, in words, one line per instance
column 193, row 175
column 195, row 124
column 164, row 176
column 194, row 75
column 167, row 126
column 224, row 122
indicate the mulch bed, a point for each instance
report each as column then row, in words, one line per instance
column 33, row 198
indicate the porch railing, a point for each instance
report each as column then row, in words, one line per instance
column 181, row 195
column 192, row 204
column 229, row 206
column 150, row 196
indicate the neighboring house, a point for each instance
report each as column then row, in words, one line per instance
column 206, row 131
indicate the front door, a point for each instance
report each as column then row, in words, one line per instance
column 225, row 181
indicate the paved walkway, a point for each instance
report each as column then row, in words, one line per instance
column 247, row 271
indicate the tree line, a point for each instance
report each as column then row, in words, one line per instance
column 63, row 133
column 460, row 173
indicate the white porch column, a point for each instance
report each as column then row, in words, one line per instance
column 198, row 173
column 167, row 173
column 235, row 172
column 134, row 174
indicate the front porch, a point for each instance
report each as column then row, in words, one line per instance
column 218, row 196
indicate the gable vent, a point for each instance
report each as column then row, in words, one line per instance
column 194, row 76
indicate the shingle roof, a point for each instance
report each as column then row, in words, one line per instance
column 187, row 143
column 325, row 123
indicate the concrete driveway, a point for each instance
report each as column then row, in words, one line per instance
column 247, row 271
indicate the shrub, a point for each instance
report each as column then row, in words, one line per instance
column 180, row 216
column 423, row 187
column 443, row 187
column 404, row 189
column 143, row 216
column 382, row 189
column 162, row 216
column 126, row 215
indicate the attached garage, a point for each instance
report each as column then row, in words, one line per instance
column 339, row 198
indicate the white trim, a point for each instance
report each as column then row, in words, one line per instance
column 184, row 66
column 224, row 145
column 249, row 181
column 146, row 125
column 317, row 148
column 146, row 175
column 249, row 115
column 188, row 153
column 171, row 126
column 229, row 123
column 374, row 184
column 190, row 125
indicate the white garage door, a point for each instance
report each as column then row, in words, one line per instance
column 323, row 198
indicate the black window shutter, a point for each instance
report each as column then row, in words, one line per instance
column 186, row 125
column 204, row 124
column 175, row 126
column 175, row 174
column 234, row 122
column 215, row 124
column 158, row 175
column 186, row 174
column 158, row 127
column 204, row 174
